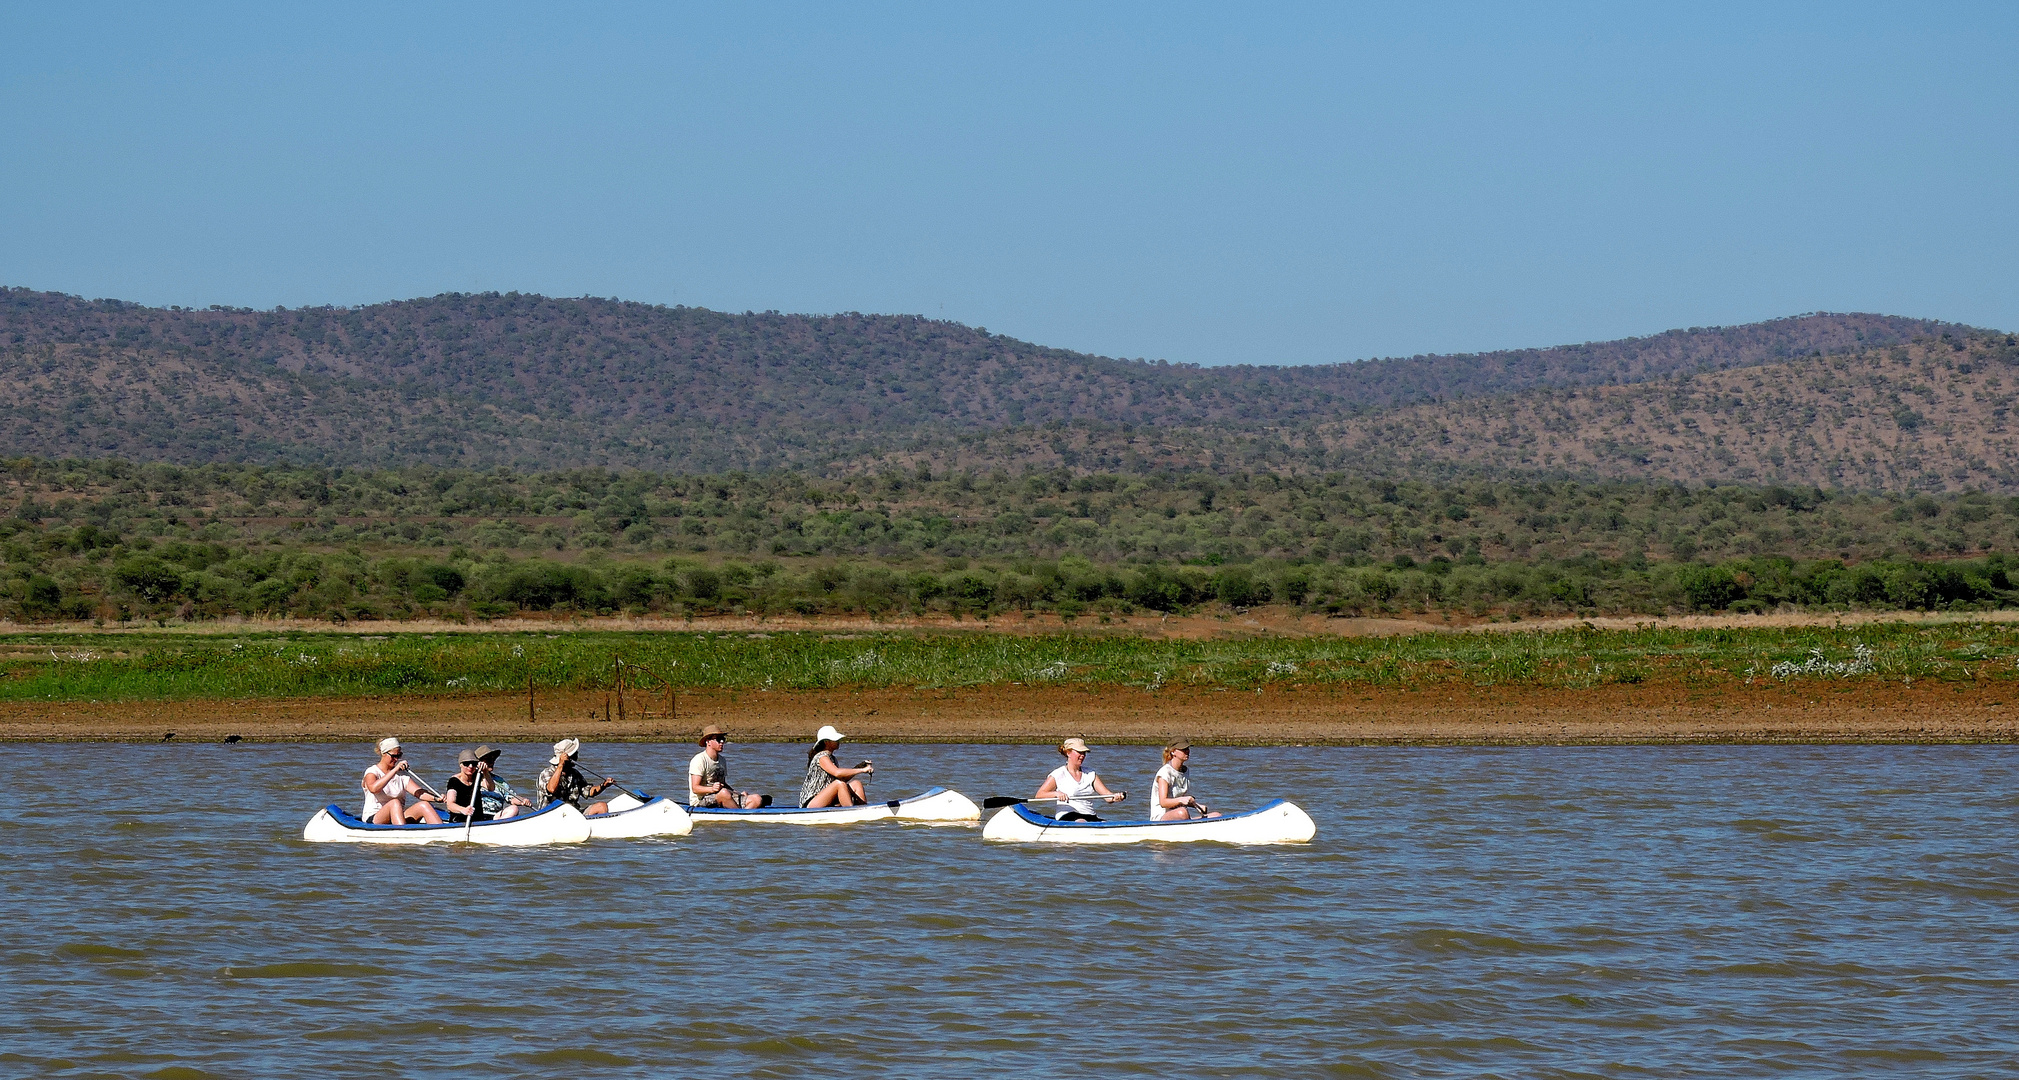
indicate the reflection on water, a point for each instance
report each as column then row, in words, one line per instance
column 1611, row 912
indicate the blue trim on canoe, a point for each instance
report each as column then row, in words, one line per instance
column 720, row 811
column 1044, row 822
column 351, row 821
column 607, row 815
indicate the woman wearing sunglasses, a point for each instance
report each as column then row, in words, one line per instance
column 391, row 796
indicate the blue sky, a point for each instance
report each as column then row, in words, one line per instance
column 1215, row 184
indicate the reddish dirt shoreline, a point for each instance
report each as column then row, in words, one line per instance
column 1213, row 623
column 1932, row 713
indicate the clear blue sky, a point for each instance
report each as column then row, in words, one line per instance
column 1231, row 183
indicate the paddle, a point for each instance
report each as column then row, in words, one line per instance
column 425, row 786
column 997, row 801
column 476, row 801
column 639, row 794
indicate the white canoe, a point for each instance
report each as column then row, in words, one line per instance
column 934, row 806
column 559, row 823
column 629, row 819
column 1279, row 822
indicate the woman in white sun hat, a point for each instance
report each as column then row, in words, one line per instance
column 827, row 783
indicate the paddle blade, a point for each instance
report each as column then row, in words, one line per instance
column 997, row 802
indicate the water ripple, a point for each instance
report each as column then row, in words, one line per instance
column 1652, row 911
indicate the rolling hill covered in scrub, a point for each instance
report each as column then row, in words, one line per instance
column 537, row 382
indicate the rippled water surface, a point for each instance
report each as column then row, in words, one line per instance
column 1463, row 912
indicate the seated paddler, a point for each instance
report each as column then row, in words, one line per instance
column 708, row 776
column 495, row 797
column 827, row 783
column 562, row 781
column 1077, row 789
column 1171, row 797
column 392, row 796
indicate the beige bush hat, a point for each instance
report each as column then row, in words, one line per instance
column 570, row 747
column 1073, row 744
column 711, row 731
column 827, row 732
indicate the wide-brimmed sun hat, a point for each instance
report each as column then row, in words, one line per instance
column 388, row 744
column 570, row 747
column 485, row 753
column 827, row 732
column 712, row 731
column 1073, row 744
column 468, row 757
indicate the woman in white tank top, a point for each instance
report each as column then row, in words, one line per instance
column 391, row 797
column 1171, row 796
column 1077, row 789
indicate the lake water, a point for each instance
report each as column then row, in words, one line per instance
column 1713, row 911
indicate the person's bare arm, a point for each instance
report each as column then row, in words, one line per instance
column 378, row 784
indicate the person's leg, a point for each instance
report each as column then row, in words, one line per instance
column 423, row 812
column 1175, row 813
column 510, row 810
column 384, row 815
column 754, row 801
column 861, row 794
column 829, row 795
column 596, row 808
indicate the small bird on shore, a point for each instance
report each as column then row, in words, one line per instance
column 233, row 738
column 168, row 736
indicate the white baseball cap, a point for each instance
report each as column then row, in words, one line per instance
column 388, row 744
column 827, row 732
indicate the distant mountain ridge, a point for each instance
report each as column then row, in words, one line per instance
column 540, row 382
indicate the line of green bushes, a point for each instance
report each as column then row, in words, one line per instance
column 158, row 664
column 190, row 580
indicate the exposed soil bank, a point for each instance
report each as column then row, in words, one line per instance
column 1647, row 713
column 1246, row 623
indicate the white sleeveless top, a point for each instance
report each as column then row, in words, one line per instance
column 1177, row 785
column 395, row 790
column 1074, row 794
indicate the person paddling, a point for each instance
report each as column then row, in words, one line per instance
column 497, row 798
column 461, row 792
column 391, row 795
column 1171, row 796
column 827, row 783
column 1075, row 786
column 708, row 776
column 562, row 781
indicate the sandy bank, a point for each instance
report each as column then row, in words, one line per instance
column 1930, row 713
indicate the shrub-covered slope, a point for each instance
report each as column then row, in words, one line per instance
column 539, row 382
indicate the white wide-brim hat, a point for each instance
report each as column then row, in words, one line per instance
column 827, row 732
column 570, row 747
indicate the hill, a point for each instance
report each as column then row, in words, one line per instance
column 1931, row 416
column 539, row 382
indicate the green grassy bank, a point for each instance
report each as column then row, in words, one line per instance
column 168, row 665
